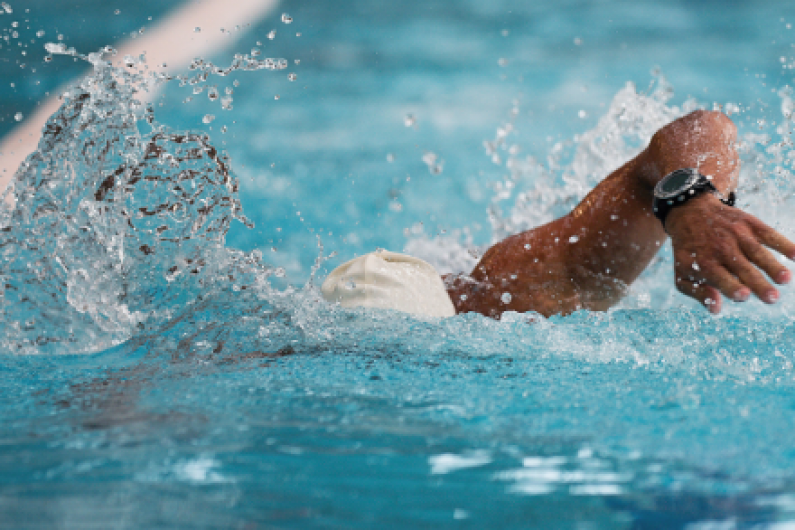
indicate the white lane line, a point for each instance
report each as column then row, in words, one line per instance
column 173, row 42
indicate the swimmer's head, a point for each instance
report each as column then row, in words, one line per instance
column 387, row 280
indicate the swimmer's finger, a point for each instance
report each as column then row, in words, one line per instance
column 707, row 295
column 753, row 279
column 725, row 281
column 762, row 258
column 771, row 238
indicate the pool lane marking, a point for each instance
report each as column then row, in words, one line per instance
column 163, row 44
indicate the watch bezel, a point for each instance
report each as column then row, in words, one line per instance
column 693, row 179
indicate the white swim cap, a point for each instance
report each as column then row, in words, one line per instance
column 387, row 280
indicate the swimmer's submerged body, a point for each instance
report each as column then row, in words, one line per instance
column 588, row 258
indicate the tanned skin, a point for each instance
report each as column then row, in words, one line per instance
column 588, row 258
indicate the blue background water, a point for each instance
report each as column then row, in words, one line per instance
column 249, row 414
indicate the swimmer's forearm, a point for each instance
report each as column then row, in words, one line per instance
column 587, row 259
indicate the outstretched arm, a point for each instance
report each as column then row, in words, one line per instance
column 588, row 258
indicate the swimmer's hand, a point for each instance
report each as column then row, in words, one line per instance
column 719, row 249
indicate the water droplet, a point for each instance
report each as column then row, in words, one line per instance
column 18, row 116
column 292, row 77
column 40, row 33
column 197, row 29
column 577, row 41
column 409, row 120
column 298, row 34
column 506, row 298
column 276, row 97
column 350, row 284
column 505, row 33
column 582, row 114
column 297, row 61
column 573, row 239
column 390, row 158
column 7, row 8
column 527, row 246
column 695, row 266
column 272, row 34
column 502, row 62
column 212, row 93
column 429, row 158
column 117, row 12
column 228, row 91
column 287, row 19
column 208, row 118
column 279, row 272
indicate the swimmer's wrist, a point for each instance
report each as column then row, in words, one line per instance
column 701, row 203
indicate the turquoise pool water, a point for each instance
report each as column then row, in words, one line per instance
column 202, row 382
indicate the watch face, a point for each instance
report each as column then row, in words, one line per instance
column 675, row 183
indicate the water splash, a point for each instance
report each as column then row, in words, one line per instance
column 536, row 190
column 118, row 221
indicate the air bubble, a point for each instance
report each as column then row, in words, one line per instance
column 287, row 19
column 506, row 298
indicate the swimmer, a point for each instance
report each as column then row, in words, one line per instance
column 681, row 186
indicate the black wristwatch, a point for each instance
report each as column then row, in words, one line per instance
column 678, row 187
